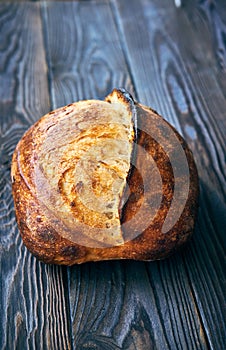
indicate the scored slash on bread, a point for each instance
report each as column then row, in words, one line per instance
column 98, row 180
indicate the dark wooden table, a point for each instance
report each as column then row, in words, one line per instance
column 172, row 58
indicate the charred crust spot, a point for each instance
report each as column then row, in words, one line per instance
column 94, row 183
column 162, row 241
column 79, row 186
column 72, row 204
column 70, row 104
column 70, row 251
column 38, row 219
column 22, row 225
column 109, row 215
column 51, row 112
column 50, row 126
column 47, row 234
column 110, row 205
column 59, row 189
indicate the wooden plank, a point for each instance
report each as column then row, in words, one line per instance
column 132, row 305
column 178, row 67
column 84, row 61
column 146, row 309
column 114, row 305
column 32, row 297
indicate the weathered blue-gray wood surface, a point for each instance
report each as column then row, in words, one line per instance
column 173, row 59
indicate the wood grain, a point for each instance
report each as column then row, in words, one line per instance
column 180, row 71
column 88, row 63
column 32, row 297
column 173, row 59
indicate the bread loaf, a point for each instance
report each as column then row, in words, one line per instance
column 100, row 180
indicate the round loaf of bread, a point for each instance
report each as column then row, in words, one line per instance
column 101, row 180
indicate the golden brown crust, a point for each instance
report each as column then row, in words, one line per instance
column 162, row 196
